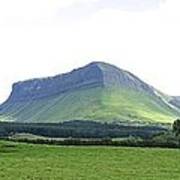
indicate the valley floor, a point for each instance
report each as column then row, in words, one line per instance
column 41, row 162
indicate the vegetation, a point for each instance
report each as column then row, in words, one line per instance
column 100, row 104
column 90, row 133
column 162, row 141
column 176, row 127
column 42, row 162
column 81, row 129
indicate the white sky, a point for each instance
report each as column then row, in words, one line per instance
column 39, row 38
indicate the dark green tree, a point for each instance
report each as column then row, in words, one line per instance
column 176, row 127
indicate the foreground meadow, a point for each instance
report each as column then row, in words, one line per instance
column 41, row 162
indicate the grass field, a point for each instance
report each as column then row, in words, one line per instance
column 40, row 162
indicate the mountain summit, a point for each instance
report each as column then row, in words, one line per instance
column 95, row 74
column 97, row 91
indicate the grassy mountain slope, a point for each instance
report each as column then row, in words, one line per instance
column 104, row 104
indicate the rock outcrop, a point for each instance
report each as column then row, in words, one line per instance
column 96, row 74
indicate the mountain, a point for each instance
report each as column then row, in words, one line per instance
column 98, row 91
column 175, row 100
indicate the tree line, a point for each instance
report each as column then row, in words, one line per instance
column 81, row 129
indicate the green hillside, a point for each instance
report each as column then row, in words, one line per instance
column 104, row 104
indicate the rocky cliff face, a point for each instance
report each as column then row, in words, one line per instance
column 114, row 76
column 89, row 76
column 96, row 74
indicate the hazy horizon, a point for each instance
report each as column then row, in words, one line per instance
column 46, row 38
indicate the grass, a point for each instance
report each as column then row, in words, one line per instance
column 93, row 104
column 40, row 162
column 134, row 105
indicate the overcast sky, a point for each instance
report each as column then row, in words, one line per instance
column 40, row 38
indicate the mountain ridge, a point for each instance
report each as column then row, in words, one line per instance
column 93, row 74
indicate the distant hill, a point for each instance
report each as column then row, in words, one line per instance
column 98, row 91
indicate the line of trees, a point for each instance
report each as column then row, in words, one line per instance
column 81, row 129
column 93, row 133
column 157, row 141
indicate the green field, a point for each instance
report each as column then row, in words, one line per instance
column 41, row 162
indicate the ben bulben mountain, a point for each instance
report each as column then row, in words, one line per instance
column 97, row 91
